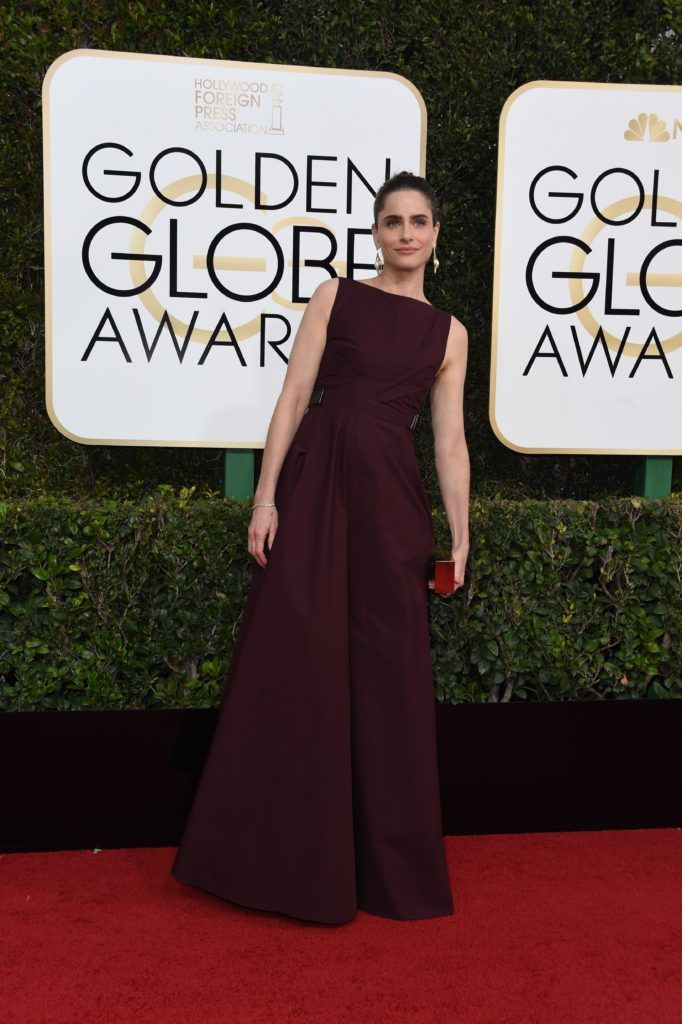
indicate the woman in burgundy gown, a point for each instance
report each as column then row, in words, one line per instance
column 320, row 791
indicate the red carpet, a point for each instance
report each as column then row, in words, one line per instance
column 548, row 928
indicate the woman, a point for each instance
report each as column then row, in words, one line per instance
column 320, row 792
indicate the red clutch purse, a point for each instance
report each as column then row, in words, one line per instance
column 442, row 573
column 444, row 576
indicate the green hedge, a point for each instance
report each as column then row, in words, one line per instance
column 465, row 59
column 123, row 605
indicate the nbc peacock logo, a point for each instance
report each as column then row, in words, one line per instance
column 647, row 127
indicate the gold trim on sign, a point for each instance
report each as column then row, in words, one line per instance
column 47, row 200
column 138, row 243
column 575, row 286
column 509, row 102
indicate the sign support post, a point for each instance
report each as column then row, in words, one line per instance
column 653, row 476
column 238, row 473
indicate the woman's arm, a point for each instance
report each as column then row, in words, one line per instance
column 452, row 455
column 302, row 369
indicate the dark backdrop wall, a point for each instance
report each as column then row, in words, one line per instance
column 465, row 58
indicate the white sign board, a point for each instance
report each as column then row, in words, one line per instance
column 587, row 309
column 191, row 208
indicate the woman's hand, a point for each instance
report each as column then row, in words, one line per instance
column 262, row 528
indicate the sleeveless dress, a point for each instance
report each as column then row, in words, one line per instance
column 320, row 792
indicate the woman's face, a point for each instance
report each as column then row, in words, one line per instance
column 405, row 231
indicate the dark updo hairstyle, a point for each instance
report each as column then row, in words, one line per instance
column 405, row 180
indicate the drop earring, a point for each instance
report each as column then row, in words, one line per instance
column 378, row 262
column 436, row 261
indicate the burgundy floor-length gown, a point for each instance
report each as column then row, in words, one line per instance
column 320, row 792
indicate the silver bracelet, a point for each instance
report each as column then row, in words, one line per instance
column 269, row 504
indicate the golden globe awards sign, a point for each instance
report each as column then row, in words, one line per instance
column 587, row 328
column 191, row 208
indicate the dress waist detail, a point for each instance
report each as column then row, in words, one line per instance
column 334, row 397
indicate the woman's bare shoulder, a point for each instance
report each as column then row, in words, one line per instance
column 325, row 292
